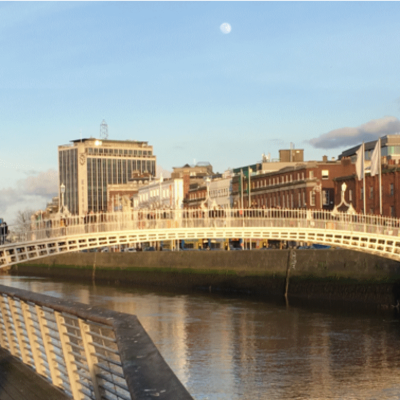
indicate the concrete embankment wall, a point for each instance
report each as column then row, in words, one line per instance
column 326, row 274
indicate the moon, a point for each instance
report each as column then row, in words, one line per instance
column 225, row 28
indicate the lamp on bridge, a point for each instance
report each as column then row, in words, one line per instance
column 63, row 211
column 343, row 202
column 62, row 190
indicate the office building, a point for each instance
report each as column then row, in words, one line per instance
column 87, row 166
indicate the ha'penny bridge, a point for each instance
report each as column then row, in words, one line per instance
column 366, row 233
column 88, row 353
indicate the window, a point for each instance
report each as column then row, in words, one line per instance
column 311, row 174
column 350, row 195
column 304, row 199
column 302, row 176
column 291, row 178
column 291, row 201
column 391, row 189
column 312, row 198
column 325, row 174
column 325, row 197
column 299, row 199
column 371, row 192
column 392, row 213
column 361, row 193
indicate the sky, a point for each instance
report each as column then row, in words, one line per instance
column 321, row 75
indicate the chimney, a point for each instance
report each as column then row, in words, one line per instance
column 325, row 158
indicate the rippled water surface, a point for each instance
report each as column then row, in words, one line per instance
column 231, row 348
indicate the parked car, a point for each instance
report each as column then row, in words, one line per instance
column 104, row 250
column 130, row 250
column 151, row 248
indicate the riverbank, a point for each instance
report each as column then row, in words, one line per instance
column 317, row 274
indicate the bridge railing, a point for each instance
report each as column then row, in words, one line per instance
column 200, row 218
column 88, row 353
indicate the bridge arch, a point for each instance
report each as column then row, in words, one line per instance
column 374, row 235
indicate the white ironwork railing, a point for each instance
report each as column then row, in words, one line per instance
column 200, row 218
column 88, row 353
column 369, row 233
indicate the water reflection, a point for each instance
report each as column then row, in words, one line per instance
column 238, row 348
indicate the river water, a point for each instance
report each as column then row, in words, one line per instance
column 227, row 347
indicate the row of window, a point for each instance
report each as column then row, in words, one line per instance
column 371, row 192
column 118, row 152
column 285, row 179
column 219, row 193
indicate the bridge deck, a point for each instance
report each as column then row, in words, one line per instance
column 19, row 382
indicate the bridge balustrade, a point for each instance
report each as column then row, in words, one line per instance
column 56, row 234
column 87, row 352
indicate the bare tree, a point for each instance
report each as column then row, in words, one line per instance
column 22, row 223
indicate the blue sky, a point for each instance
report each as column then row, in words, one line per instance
column 163, row 72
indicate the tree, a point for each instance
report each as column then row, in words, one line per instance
column 22, row 224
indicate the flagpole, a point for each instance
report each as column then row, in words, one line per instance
column 380, row 178
column 363, row 167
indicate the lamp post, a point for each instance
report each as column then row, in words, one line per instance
column 62, row 190
column 350, row 208
column 249, row 171
column 208, row 191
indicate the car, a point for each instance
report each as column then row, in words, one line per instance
column 104, row 250
column 130, row 250
column 151, row 248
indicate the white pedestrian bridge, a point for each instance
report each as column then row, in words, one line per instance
column 366, row 233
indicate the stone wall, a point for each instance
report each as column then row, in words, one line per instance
column 329, row 274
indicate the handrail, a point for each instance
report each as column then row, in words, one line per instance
column 182, row 218
column 69, row 344
column 367, row 233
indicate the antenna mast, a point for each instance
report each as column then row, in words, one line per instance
column 104, row 130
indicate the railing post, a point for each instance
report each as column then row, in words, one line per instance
column 32, row 338
column 68, row 358
column 91, row 361
column 6, row 321
column 18, row 330
column 48, row 347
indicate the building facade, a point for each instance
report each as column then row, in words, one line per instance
column 354, row 191
column 304, row 185
column 87, row 166
column 160, row 194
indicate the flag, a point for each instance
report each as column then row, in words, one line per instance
column 375, row 159
column 360, row 162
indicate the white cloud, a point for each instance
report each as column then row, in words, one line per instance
column 348, row 136
column 33, row 192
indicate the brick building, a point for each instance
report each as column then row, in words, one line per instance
column 304, row 185
column 390, row 191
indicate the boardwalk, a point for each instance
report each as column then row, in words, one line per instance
column 19, row 382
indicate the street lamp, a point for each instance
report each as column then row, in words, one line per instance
column 62, row 190
column 350, row 209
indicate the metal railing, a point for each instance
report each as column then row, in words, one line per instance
column 200, row 218
column 39, row 239
column 87, row 352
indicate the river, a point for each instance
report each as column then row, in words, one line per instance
column 234, row 347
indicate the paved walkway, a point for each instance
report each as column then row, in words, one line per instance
column 20, row 382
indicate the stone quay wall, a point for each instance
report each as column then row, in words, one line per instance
column 332, row 274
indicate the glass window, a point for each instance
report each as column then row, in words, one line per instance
column 325, row 174
column 371, row 192
column 312, row 198
column 325, row 197
column 311, row 174
column 391, row 189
